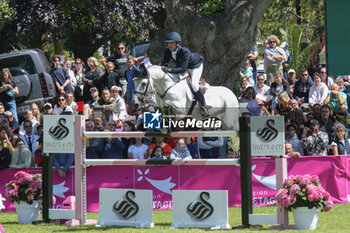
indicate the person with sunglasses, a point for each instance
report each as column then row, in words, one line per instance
column 61, row 106
column 302, row 87
column 13, row 124
column 274, row 56
column 61, row 76
column 79, row 74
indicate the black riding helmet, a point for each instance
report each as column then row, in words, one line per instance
column 173, row 37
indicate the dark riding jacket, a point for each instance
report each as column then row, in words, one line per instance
column 184, row 59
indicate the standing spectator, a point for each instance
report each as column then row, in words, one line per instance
column 129, row 76
column 137, row 150
column 253, row 105
column 286, row 63
column 209, row 147
column 14, row 127
column 274, row 56
column 36, row 112
column 247, row 70
column 72, row 80
column 62, row 162
column 278, row 86
column 252, row 57
column 5, row 156
column 341, row 144
column 318, row 92
column 29, row 116
column 262, row 91
column 337, row 100
column 22, row 157
column 89, row 105
column 8, row 90
column 319, row 53
column 60, row 76
column 302, row 88
column 108, row 79
column 120, row 108
column 61, row 106
column 193, row 147
column 29, row 138
column 313, row 140
column 79, row 73
column 91, row 75
column 180, row 151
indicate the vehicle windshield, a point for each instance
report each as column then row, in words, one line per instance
column 24, row 61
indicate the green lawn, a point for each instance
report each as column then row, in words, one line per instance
column 337, row 220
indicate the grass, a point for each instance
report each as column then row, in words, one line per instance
column 337, row 220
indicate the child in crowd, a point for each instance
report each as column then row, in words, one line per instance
column 157, row 153
column 247, row 70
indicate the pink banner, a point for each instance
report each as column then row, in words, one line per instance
column 333, row 172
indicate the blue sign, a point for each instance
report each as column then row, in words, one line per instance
column 151, row 120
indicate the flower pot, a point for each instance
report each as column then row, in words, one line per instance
column 305, row 218
column 27, row 213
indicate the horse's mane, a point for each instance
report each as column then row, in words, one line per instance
column 157, row 68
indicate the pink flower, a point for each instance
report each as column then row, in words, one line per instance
column 326, row 195
column 304, row 181
column 311, row 197
column 291, row 199
column 30, row 197
column 329, row 206
column 298, row 177
column 294, row 188
column 315, row 178
column 281, row 197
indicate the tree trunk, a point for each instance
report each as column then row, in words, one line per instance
column 224, row 41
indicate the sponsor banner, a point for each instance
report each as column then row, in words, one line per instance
column 267, row 135
column 200, row 208
column 125, row 207
column 58, row 134
column 163, row 180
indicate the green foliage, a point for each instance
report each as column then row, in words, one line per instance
column 5, row 10
column 210, row 7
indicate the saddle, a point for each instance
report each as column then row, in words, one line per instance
column 203, row 86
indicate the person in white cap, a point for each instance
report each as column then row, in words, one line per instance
column 88, row 106
column 291, row 78
column 120, row 107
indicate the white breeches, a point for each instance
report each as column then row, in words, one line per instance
column 196, row 75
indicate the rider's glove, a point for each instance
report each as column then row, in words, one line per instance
column 165, row 69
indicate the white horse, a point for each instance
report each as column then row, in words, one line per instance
column 174, row 96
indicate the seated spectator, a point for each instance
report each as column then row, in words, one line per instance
column 263, row 110
column 60, row 76
column 29, row 117
column 110, row 148
column 4, row 136
column 282, row 107
column 291, row 78
column 40, row 130
column 62, row 162
column 247, row 71
column 302, row 87
column 108, row 79
column 14, row 140
column 61, row 106
column 91, row 143
column 5, row 156
column 316, row 111
column 137, row 150
column 120, row 112
column 192, row 146
column 13, row 124
column 231, row 154
column 326, row 121
column 296, row 114
column 158, row 153
column 325, row 79
column 318, row 91
column 341, row 85
column 244, row 85
column 262, row 91
column 48, row 109
column 292, row 138
column 36, row 112
column 2, row 110
column 106, row 105
column 71, row 102
column 278, row 86
column 209, row 147
column 22, row 157
column 29, row 139
column 249, row 97
column 160, row 142
column 8, row 90
column 89, row 104
column 290, row 151
column 313, row 140
column 341, row 144
column 180, row 151
column 336, row 100
column 38, row 154
column 128, row 126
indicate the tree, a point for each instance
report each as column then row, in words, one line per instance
column 224, row 40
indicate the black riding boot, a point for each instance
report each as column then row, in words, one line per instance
column 204, row 108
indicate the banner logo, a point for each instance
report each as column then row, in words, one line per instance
column 268, row 133
column 151, row 120
column 201, row 209
column 128, row 207
column 59, row 131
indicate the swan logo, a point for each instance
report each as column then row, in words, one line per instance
column 59, row 131
column 201, row 209
column 127, row 208
column 267, row 133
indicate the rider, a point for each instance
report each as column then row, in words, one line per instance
column 185, row 60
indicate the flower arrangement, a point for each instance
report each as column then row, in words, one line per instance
column 24, row 187
column 304, row 191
